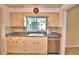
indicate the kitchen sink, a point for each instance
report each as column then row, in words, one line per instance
column 35, row 34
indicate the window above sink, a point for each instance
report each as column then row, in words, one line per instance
column 35, row 23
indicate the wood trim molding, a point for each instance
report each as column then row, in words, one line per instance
column 68, row 6
column 72, row 46
column 63, row 38
column 31, row 10
column 54, row 39
column 3, row 6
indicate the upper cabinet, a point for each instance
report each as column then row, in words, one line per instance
column 17, row 19
column 53, row 20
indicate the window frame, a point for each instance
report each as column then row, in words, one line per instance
column 26, row 17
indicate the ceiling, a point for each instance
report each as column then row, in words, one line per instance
column 34, row 5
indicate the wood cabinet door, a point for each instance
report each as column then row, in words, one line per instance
column 13, row 17
column 53, row 46
column 52, row 20
column 40, row 45
column 17, row 19
column 14, row 45
column 35, row 45
column 8, row 44
column 28, row 45
column 19, row 44
column 11, row 45
column 20, row 19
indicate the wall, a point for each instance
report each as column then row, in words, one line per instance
column 2, row 31
column 73, row 27
column 3, row 19
column 0, row 27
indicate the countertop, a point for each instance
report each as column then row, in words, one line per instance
column 25, row 34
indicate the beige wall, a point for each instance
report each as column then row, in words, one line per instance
column 0, row 26
column 3, row 19
column 1, row 30
column 73, row 27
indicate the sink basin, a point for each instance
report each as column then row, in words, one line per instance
column 34, row 34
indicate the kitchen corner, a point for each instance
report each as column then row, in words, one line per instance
column 33, row 33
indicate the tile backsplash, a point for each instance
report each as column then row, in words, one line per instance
column 54, row 29
column 21, row 29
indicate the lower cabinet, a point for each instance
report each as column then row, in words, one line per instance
column 35, row 45
column 14, row 45
column 54, row 46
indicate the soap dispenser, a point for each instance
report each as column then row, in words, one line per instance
column 48, row 32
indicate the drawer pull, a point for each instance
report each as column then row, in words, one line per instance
column 37, row 42
column 13, row 41
column 23, row 42
column 10, row 38
column 16, row 41
column 33, row 42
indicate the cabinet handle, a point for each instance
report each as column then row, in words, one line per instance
column 16, row 41
column 13, row 41
column 23, row 42
column 37, row 42
column 10, row 38
column 19, row 39
column 33, row 42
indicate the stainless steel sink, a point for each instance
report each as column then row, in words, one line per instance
column 35, row 34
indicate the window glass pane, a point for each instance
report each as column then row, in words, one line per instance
column 36, row 24
column 42, row 24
